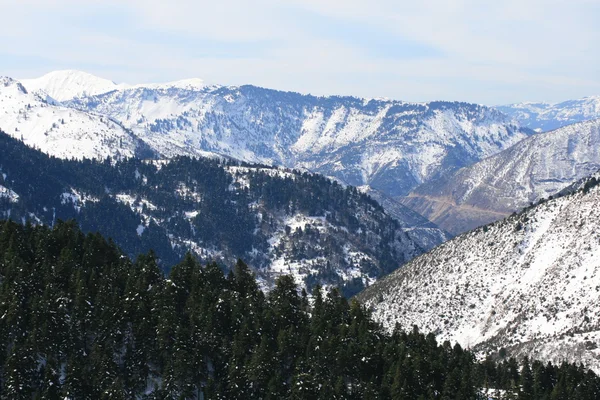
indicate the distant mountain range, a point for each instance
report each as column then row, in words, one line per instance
column 527, row 285
column 391, row 146
column 544, row 117
column 535, row 168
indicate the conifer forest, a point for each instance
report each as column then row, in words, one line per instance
column 80, row 320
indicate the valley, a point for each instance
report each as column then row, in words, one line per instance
column 475, row 224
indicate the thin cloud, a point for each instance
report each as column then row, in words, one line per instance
column 465, row 50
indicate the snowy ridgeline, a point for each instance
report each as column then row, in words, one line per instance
column 389, row 145
column 529, row 284
column 546, row 116
column 61, row 131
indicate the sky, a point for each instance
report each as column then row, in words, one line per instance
column 488, row 52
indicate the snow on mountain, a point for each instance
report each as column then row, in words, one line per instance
column 61, row 131
column 185, row 84
column 388, row 146
column 392, row 146
column 8, row 194
column 67, row 84
column 277, row 220
column 529, row 284
column 534, row 168
column 547, row 116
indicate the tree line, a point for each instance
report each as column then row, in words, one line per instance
column 80, row 320
column 205, row 202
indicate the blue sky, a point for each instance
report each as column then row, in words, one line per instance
column 479, row 51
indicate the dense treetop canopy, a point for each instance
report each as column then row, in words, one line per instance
column 80, row 320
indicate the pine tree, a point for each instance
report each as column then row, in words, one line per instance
column 526, row 384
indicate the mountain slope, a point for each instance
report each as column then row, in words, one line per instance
column 545, row 116
column 529, row 284
column 61, row 131
column 534, row 168
column 280, row 221
column 389, row 147
column 423, row 232
column 392, row 146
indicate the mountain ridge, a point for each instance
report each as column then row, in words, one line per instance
column 65, row 85
column 537, row 167
column 61, row 131
column 391, row 146
column 545, row 117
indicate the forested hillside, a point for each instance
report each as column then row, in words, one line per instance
column 281, row 221
column 79, row 320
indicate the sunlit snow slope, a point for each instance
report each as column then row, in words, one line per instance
column 529, row 283
column 67, row 84
column 58, row 130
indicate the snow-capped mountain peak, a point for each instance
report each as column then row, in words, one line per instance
column 58, row 130
column 8, row 82
column 68, row 84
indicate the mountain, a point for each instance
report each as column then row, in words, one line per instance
column 280, row 221
column 549, row 116
column 526, row 285
column 68, row 84
column 392, row 146
column 61, row 131
column 388, row 147
column 534, row 168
